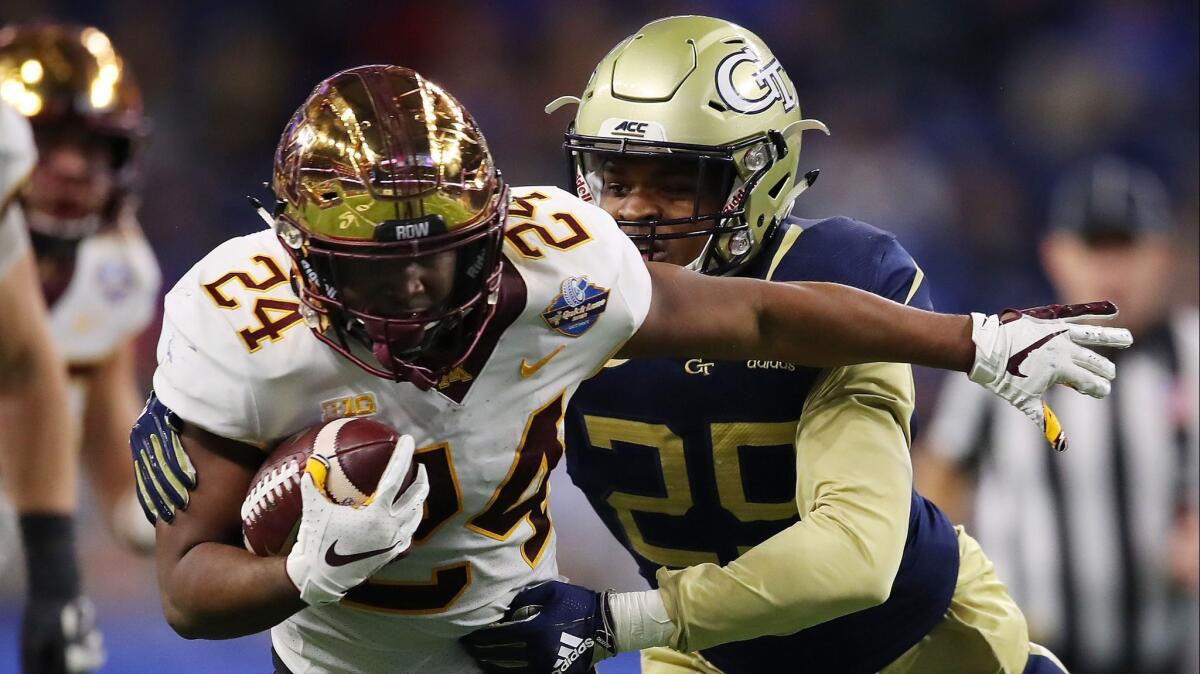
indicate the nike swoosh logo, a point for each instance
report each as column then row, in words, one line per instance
column 528, row 370
column 1014, row 362
column 332, row 558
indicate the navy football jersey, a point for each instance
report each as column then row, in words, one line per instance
column 692, row 460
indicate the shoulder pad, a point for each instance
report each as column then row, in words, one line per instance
column 570, row 253
column 230, row 307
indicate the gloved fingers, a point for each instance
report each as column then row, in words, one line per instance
column 181, row 463
column 501, row 664
column 1095, row 335
column 397, row 467
column 168, row 480
column 309, row 489
column 157, row 499
column 1088, row 311
column 413, row 497
column 495, row 644
column 1093, row 362
column 143, row 496
column 178, row 466
column 1052, row 430
column 1067, row 313
column 1084, row 381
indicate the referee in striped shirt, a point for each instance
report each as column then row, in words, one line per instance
column 1098, row 545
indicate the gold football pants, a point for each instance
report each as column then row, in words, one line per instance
column 983, row 631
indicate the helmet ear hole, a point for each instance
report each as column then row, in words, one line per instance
column 778, row 187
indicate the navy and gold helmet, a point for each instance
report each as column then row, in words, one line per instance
column 393, row 211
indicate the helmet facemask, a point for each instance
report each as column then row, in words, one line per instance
column 357, row 298
column 733, row 171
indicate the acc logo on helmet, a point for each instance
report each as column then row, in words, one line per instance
column 769, row 77
column 632, row 128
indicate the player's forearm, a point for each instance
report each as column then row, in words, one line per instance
column 828, row 325
column 112, row 406
column 854, row 492
column 218, row 591
column 819, row 569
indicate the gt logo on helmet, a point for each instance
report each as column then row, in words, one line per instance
column 769, row 77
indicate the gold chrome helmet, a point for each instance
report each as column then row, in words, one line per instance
column 705, row 91
column 65, row 77
column 379, row 173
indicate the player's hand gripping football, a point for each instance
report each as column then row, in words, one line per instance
column 551, row 627
column 340, row 546
column 1021, row 354
column 161, row 468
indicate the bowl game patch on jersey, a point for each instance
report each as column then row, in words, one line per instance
column 577, row 306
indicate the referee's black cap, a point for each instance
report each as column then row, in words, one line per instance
column 1110, row 200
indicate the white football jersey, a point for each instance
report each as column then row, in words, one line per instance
column 111, row 295
column 236, row 359
column 18, row 155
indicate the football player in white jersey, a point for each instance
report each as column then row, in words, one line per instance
column 36, row 455
column 464, row 313
column 98, row 275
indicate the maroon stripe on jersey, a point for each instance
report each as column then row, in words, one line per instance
column 509, row 306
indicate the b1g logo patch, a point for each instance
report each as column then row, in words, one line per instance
column 361, row 405
column 576, row 307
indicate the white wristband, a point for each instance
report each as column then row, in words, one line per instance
column 989, row 357
column 640, row 620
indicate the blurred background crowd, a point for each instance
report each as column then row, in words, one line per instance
column 950, row 121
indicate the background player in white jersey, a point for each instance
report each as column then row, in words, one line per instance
column 465, row 314
column 36, row 455
column 98, row 275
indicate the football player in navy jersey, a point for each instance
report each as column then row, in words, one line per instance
column 770, row 505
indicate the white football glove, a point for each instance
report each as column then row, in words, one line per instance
column 340, row 546
column 1021, row 354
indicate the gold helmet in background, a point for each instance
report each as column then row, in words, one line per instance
column 379, row 173
column 701, row 90
column 70, row 77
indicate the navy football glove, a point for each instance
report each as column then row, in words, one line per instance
column 161, row 467
column 551, row 627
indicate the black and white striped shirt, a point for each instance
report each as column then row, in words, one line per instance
column 1081, row 538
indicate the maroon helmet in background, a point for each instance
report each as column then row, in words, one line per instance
column 393, row 212
column 70, row 82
